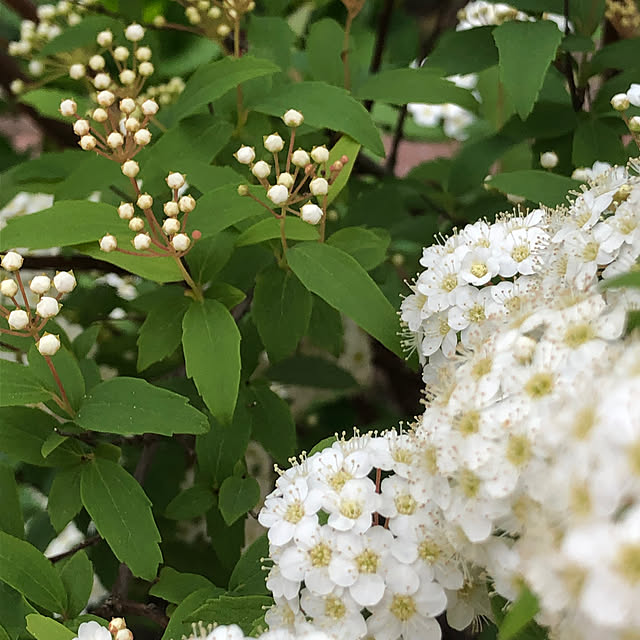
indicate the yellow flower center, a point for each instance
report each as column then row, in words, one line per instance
column 405, row 504
column 334, row 608
column 351, row 509
column 403, row 607
column 295, row 512
column 520, row 253
column 320, row 555
column 479, row 269
column 367, row 561
column 628, row 563
column 539, row 385
column 449, row 282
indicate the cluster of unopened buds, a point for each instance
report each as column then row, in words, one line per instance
column 215, row 17
column 305, row 175
column 117, row 630
column 24, row 321
column 622, row 101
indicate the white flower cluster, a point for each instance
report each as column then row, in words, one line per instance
column 300, row 166
column 166, row 93
column 234, row 632
column 480, row 13
column 216, row 18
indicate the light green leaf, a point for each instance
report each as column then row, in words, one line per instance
column 211, row 343
column 338, row 278
column 25, row 569
column 520, row 614
column 53, row 441
column 537, row 186
column 44, row 628
column 345, row 146
column 325, row 443
column 174, row 586
column 64, row 501
column 190, row 503
column 76, row 573
column 131, row 405
column 81, row 35
column 237, row 496
column 11, row 513
column 367, row 246
column 269, row 229
column 20, row 386
column 178, row 623
column 248, row 576
column 311, row 98
column 46, row 101
column 311, row 371
column 4, row 635
column 522, row 73
column 630, row 279
column 467, row 51
column 281, row 309
column 271, row 38
column 122, row 514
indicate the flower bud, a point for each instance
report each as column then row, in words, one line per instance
column 193, row 15
column 146, row 69
column 620, row 102
column 634, row 124
column 293, row 118
column 102, row 81
column 40, row 284
column 548, row 160
column 311, row 213
column 181, row 242
column 126, row 210
column 48, row 307
column 9, row 288
column 18, row 319
column 171, row 226
column 73, row 19
column 105, row 98
column 64, row 281
column 81, row 127
column 36, row 68
column 105, row 38
column 88, row 143
column 214, row 13
column 131, row 124
column 261, row 169
column 127, row 77
column 159, row 21
column 16, row 86
column 68, row 108
column 149, row 107
column 243, row 190
column 142, row 241
column 319, row 187
column 117, row 624
column 245, row 155
column 134, row 32
column 12, row 261
column 337, row 166
column 223, row 30
column 121, row 54
column 130, row 169
column 273, row 143
column 145, row 201
column 278, row 194
column 143, row 54
column 115, row 139
column 124, row 634
column 97, row 63
column 142, row 137
column 300, row 158
column 320, row 154
column 187, row 204
column 108, row 243
column 136, row 224
column 175, row 180
column 76, row 71
column 127, row 105
column 171, row 209
column 46, row 12
column 49, row 344
column 285, row 179
column 100, row 115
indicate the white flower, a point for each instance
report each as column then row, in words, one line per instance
column 64, row 281
column 479, row 266
column 320, row 155
column 171, row 226
column 81, row 127
column 187, row 204
column 293, row 118
column 76, row 71
column 142, row 241
column 134, row 32
column 245, row 155
column 102, row 81
column 261, row 170
column 336, row 612
column 68, row 107
column 549, row 160
column 620, row 102
column 47, row 307
column 181, row 242
column 108, row 243
column 92, row 631
column 18, row 319
column 144, row 201
column 273, row 143
column 130, row 168
column 311, row 213
column 319, row 187
column 278, row 194
column 115, row 140
column 8, row 288
column 350, row 509
column 105, row 38
column 142, row 137
column 175, row 180
column 40, row 284
column 300, row 158
column 149, row 107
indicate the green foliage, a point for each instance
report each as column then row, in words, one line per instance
column 174, row 586
column 190, row 503
column 269, row 229
column 538, row 186
column 519, row 615
column 244, row 611
column 65, row 500
column 11, row 514
column 20, row 385
column 76, row 573
column 248, row 576
column 43, row 628
column 237, row 496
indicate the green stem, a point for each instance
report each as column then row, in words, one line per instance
column 197, row 291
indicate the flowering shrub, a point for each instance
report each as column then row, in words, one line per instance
column 208, row 281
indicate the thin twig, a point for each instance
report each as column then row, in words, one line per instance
column 381, row 39
column 88, row 542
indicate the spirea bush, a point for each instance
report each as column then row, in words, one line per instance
column 319, row 320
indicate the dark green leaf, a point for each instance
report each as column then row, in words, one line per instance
column 595, row 139
column 10, row 513
column 64, row 501
column 46, row 101
column 269, row 229
column 81, row 35
column 248, row 575
column 209, row 255
column 325, row 327
column 311, row 371
column 76, row 573
column 615, row 55
column 240, row 610
column 174, row 586
column 83, row 342
column 467, row 51
column 586, row 15
column 324, row 44
column 237, row 496
column 518, row 615
column 20, row 386
column 367, row 246
column 190, row 503
column 43, row 628
column 178, row 624
column 271, row 38
column 53, row 441
column 537, row 186
column 229, row 295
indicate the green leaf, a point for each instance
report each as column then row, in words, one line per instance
column 84, row 341
column 237, row 496
column 225, row 293
column 401, row 86
column 46, row 101
column 537, row 186
column 174, row 586
column 4, row 635
column 615, row 55
column 53, row 441
column 161, row 331
column 595, row 139
column 519, row 615
column 325, row 443
column 324, row 44
column 13, row 611
column 190, row 503
column 467, row 51
column 630, row 279
column 178, row 624
column 587, row 15
column 522, row 73
column 271, row 38
column 131, row 405
column 76, row 573
column 20, row 386
column 311, row 371
column 122, row 514
column 240, row 610
column 338, row 278
column 311, row 98
column 248, row 576
column 211, row 343
column 209, row 255
column 325, row 327
column 44, row 628
column 64, row 501
column 345, row 146
column 25, row 569
column 367, row 246
column 281, row 309
column 81, row 35
column 67, row 222
column 269, row 229
column 213, row 80
column 11, row 514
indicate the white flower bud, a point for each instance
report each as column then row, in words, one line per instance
column 115, row 139
column 634, row 124
column 146, row 69
column 171, row 209
column 514, row 199
column 171, row 226
column 293, row 118
column 121, row 54
column 63, row 7
column 142, row 137
column 548, row 159
column 203, row 5
column 88, row 143
column 273, row 143
column 12, row 261
column 319, row 187
column 17, row 86
column 311, row 213
column 102, row 81
column 46, row 12
column 49, row 344
column 9, row 288
column 77, row 71
column 97, row 63
column 181, row 242
column 142, row 242
column 149, row 107
column 130, row 169
column 131, row 124
column 36, row 68
column 100, row 115
column 124, row 634
column 105, row 98
column 48, row 307
column 40, row 284
column 134, row 32
column 320, row 154
column 73, row 19
column 143, row 54
column 159, row 21
column 300, row 158
column 145, row 201
column 261, row 169
column 620, row 102
column 81, row 127
column 108, row 243
column 175, row 180
column 127, row 77
column 18, row 319
column 223, row 30
column 136, row 224
column 186, row 204
column 68, row 108
column 278, row 194
column 127, row 105
column 214, row 13
column 193, row 15
column 117, row 624
column 285, row 179
column 245, row 155
column 105, row 38
column 64, row 281
column 126, row 209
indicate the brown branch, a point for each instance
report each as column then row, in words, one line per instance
column 89, row 542
column 116, row 608
column 381, row 39
column 24, row 8
column 392, row 158
column 67, row 263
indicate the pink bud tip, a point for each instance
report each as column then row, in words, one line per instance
column 344, row 159
column 196, row 235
